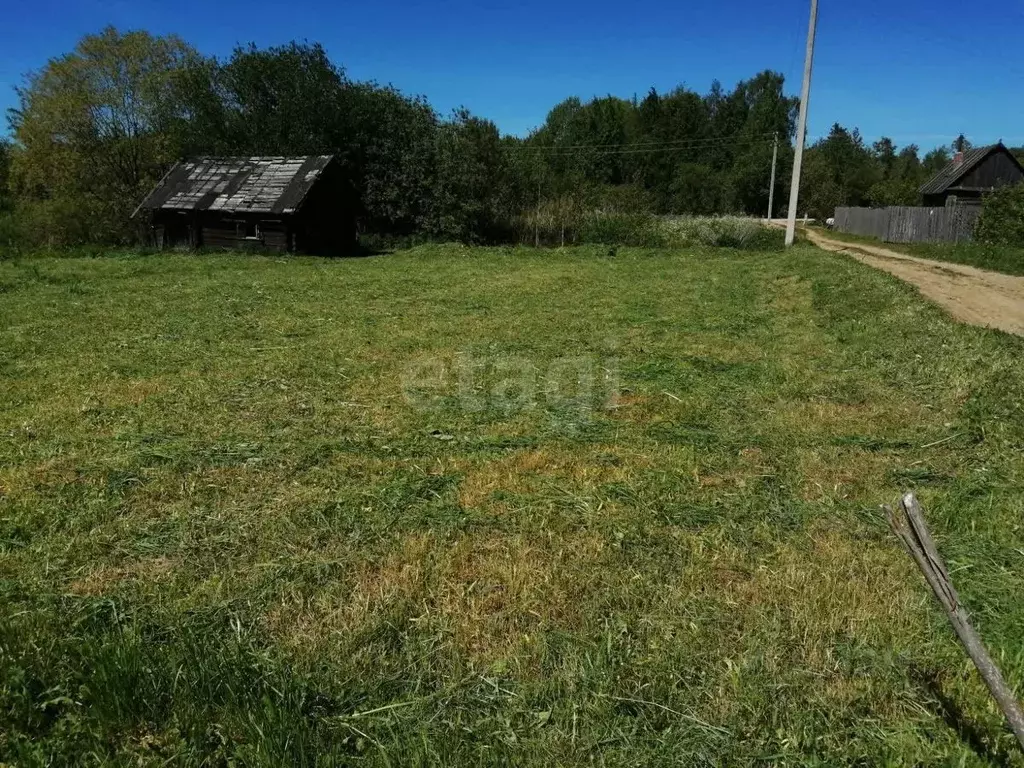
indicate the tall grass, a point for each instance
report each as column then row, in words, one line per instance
column 560, row 225
column 720, row 231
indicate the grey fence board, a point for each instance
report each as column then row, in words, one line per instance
column 910, row 224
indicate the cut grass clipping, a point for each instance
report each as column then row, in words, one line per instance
column 497, row 506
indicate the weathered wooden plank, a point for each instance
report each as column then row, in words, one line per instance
column 908, row 523
column 910, row 224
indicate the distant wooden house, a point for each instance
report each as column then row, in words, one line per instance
column 971, row 175
column 279, row 203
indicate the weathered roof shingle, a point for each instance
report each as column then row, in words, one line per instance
column 274, row 185
column 949, row 175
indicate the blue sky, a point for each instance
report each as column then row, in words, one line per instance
column 916, row 70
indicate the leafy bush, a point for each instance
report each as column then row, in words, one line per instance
column 639, row 229
column 767, row 239
column 624, row 198
column 1002, row 217
column 10, row 235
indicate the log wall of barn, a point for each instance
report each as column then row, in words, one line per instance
column 225, row 232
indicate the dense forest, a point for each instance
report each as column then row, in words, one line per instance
column 96, row 128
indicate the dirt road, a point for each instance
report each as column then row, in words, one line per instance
column 973, row 295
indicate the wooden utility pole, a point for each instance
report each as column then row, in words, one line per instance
column 801, row 126
column 771, row 187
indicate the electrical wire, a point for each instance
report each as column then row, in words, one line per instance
column 642, row 147
column 691, row 141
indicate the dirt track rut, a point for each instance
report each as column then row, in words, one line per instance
column 972, row 295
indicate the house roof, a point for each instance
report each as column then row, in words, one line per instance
column 953, row 172
column 237, row 184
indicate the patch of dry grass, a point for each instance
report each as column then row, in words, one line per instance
column 488, row 595
column 534, row 471
column 108, row 579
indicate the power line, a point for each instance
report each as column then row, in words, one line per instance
column 682, row 143
column 628, row 149
column 763, row 142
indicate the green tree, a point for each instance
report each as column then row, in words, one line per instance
column 671, row 133
column 391, row 153
column 469, row 192
column 201, row 125
column 820, row 193
column 293, row 100
column 893, row 191
column 884, row 152
column 961, row 144
column 698, row 189
column 566, row 148
column 766, row 112
column 908, row 165
column 727, row 114
column 93, row 130
column 8, row 225
column 840, row 170
column 285, row 100
column 6, row 200
column 935, row 160
column 901, row 175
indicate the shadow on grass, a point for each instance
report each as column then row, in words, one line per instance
column 981, row 740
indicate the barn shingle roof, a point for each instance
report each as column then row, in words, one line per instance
column 954, row 171
column 275, row 185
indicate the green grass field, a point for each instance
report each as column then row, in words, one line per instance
column 460, row 506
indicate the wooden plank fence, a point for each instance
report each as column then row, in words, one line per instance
column 910, row 224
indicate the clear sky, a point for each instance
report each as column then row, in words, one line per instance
column 916, row 70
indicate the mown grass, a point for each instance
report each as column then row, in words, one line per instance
column 632, row 520
column 998, row 258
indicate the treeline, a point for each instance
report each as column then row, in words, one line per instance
column 841, row 169
column 96, row 128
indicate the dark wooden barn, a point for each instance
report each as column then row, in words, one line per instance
column 279, row 203
column 971, row 175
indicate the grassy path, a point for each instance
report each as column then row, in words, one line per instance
column 972, row 295
column 1003, row 259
